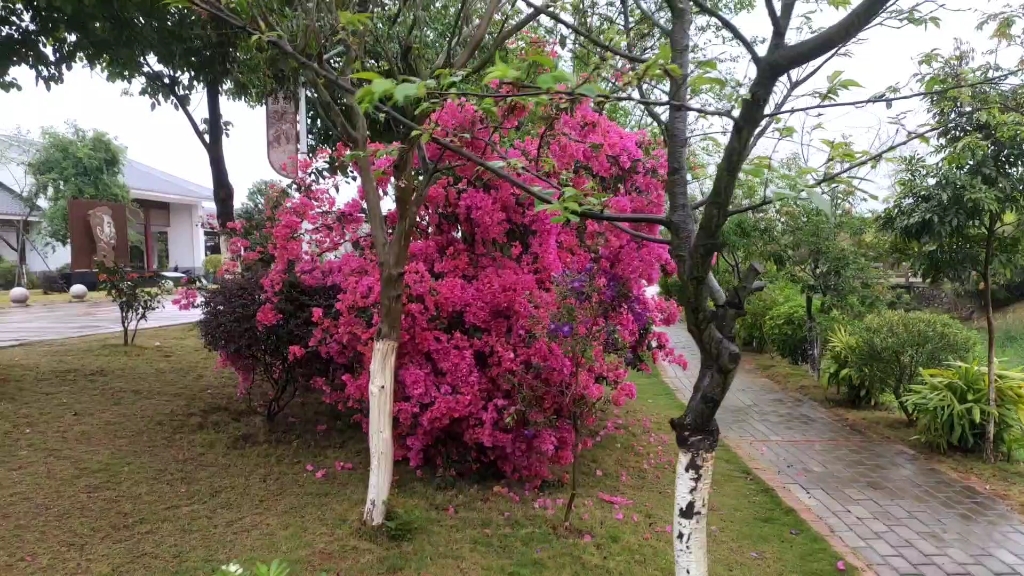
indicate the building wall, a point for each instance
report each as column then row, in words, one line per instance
column 185, row 246
column 36, row 261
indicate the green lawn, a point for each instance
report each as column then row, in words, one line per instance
column 141, row 460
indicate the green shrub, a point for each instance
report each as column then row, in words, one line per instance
column 841, row 369
column 887, row 351
column 212, row 264
column 750, row 329
column 951, row 406
column 8, row 272
column 785, row 331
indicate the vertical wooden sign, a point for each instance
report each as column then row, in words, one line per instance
column 283, row 135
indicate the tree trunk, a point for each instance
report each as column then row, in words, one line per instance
column 382, row 389
column 223, row 192
column 697, row 438
column 813, row 342
column 990, row 428
column 382, row 445
column 693, row 487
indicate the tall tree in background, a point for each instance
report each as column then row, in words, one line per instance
column 682, row 92
column 75, row 164
column 960, row 209
column 169, row 54
column 34, row 38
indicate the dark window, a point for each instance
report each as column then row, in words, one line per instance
column 212, row 242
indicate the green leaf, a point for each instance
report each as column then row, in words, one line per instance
column 407, row 90
column 382, row 86
column 552, row 79
column 366, row 75
column 819, row 201
column 700, row 81
column 589, row 89
column 754, row 171
column 501, row 71
column 834, row 76
column 542, row 59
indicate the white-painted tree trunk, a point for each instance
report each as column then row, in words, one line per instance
column 382, row 444
column 690, row 537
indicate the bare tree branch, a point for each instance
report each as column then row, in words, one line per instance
column 792, row 56
column 751, row 207
column 773, row 15
column 650, row 16
column 728, row 25
column 876, row 156
column 884, row 100
column 478, row 35
column 504, row 36
column 583, row 34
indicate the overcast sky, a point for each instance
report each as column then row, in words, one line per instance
column 163, row 138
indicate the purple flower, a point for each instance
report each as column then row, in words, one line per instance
column 563, row 329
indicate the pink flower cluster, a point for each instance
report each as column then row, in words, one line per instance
column 483, row 369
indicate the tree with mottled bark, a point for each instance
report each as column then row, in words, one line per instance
column 685, row 97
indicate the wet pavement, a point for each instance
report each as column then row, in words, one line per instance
column 20, row 325
column 896, row 511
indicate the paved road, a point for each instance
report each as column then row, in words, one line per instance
column 898, row 513
column 51, row 322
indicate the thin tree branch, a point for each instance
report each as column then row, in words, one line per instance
column 583, row 34
column 650, row 16
column 640, row 235
column 478, row 35
column 180, row 101
column 504, row 36
column 876, row 156
column 596, row 98
column 728, row 25
column 751, row 207
column 825, row 105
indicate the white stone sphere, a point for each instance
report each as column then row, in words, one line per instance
column 78, row 292
column 18, row 295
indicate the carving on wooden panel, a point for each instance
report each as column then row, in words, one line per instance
column 283, row 135
column 101, row 222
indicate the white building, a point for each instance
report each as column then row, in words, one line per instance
column 167, row 217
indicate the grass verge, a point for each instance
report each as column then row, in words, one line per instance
column 1004, row 480
column 140, row 460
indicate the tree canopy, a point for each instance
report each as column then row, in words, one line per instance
column 75, row 164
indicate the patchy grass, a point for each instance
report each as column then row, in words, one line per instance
column 1009, row 335
column 140, row 460
column 1004, row 479
column 37, row 298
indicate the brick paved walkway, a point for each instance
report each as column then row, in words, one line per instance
column 898, row 513
column 35, row 323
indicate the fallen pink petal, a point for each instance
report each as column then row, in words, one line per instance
column 841, row 566
column 614, row 500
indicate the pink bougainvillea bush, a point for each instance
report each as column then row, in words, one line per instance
column 485, row 378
